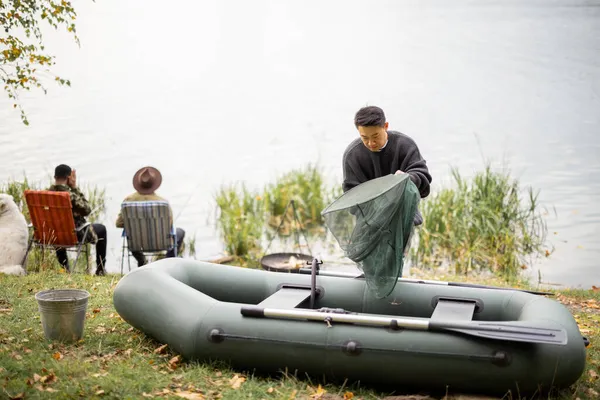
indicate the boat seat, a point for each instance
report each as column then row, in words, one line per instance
column 454, row 309
column 286, row 298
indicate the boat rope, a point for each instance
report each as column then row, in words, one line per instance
column 498, row 357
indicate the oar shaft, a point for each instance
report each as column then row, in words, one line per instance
column 411, row 323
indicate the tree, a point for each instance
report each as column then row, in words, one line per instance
column 24, row 63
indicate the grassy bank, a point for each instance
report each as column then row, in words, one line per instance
column 115, row 361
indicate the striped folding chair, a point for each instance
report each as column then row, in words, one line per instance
column 147, row 228
column 52, row 223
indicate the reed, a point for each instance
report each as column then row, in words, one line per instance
column 240, row 220
column 486, row 223
column 307, row 188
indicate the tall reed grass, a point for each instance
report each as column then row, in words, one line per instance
column 248, row 218
column 486, row 223
column 240, row 222
column 40, row 259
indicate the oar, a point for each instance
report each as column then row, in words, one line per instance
column 424, row 281
column 516, row 331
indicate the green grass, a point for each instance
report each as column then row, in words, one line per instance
column 485, row 223
column 115, row 361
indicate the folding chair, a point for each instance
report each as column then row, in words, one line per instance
column 52, row 223
column 147, row 228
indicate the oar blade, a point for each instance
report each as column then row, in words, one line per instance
column 507, row 331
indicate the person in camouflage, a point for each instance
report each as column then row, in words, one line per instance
column 65, row 180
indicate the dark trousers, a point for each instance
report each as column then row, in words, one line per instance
column 141, row 258
column 100, row 230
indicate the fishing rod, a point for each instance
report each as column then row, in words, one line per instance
column 187, row 202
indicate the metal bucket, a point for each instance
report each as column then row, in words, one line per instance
column 62, row 313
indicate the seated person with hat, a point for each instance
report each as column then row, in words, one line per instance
column 65, row 180
column 146, row 181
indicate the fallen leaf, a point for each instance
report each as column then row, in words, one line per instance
column 190, row 395
column 593, row 393
column 174, row 362
column 293, row 395
column 100, row 329
column 27, row 350
column 36, row 377
column 236, row 381
column 57, row 356
column 595, row 288
column 270, row 390
column 593, row 375
column 99, row 392
column 19, row 396
column 49, row 389
column 161, row 349
column 318, row 393
column 147, row 395
column 48, row 379
column 96, row 310
column 348, row 395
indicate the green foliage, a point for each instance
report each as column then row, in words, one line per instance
column 245, row 217
column 482, row 224
column 23, row 59
column 240, row 220
column 307, row 188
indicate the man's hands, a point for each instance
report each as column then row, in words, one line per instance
column 72, row 179
column 398, row 172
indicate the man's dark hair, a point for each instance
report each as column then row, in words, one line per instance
column 369, row 116
column 62, row 171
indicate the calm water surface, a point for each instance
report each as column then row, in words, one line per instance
column 222, row 91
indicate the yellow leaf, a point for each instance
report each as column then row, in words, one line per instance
column 57, row 356
column 319, row 393
column 190, row 395
column 348, row 395
column 236, row 381
column 270, row 390
column 99, row 392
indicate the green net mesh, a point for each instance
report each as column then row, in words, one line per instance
column 373, row 224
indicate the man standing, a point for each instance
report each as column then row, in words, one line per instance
column 378, row 152
column 145, row 182
column 65, row 180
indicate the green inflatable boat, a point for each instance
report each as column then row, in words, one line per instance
column 420, row 336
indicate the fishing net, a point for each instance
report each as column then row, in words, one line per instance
column 373, row 224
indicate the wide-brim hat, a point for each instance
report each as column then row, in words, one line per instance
column 146, row 180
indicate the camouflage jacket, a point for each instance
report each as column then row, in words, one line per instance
column 80, row 207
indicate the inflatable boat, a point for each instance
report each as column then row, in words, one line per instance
column 421, row 336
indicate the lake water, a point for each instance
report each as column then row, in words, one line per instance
column 214, row 92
